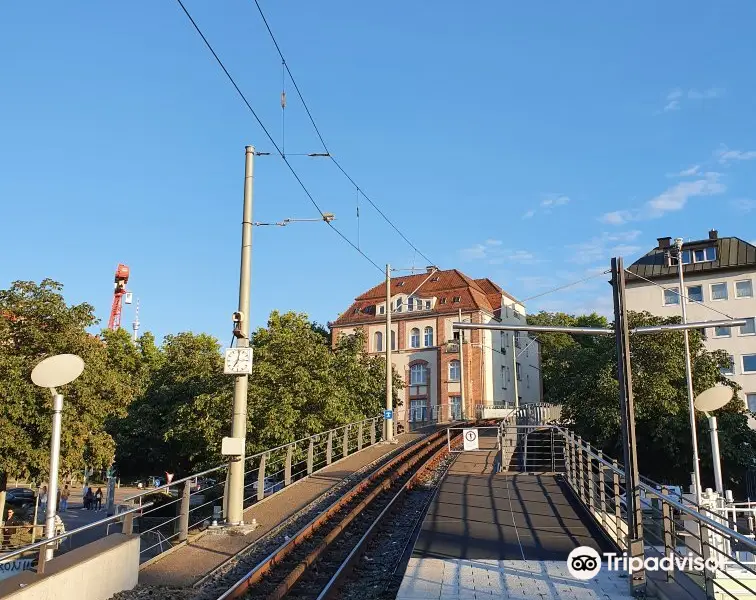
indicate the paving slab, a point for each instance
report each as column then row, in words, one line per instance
column 189, row 563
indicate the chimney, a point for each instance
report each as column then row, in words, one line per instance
column 713, row 234
column 664, row 242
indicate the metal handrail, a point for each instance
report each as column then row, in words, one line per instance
column 711, row 523
column 62, row 536
column 252, row 457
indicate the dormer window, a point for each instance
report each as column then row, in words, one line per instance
column 427, row 304
column 442, row 301
column 698, row 255
column 400, row 284
column 435, row 279
column 381, row 309
column 456, row 299
column 398, row 305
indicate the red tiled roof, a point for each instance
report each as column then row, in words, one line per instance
column 474, row 294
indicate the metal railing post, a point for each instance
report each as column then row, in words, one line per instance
column 287, row 464
column 618, row 507
column 310, row 455
column 552, row 450
column 580, row 464
column 184, row 512
column 373, row 423
column 602, row 488
column 128, row 524
column 589, row 469
column 261, row 477
column 359, row 436
column 329, row 448
column 345, row 443
column 668, row 529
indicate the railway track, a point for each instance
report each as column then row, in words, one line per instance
column 316, row 561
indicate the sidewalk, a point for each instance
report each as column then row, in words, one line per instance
column 191, row 562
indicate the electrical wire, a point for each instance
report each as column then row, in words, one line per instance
column 270, row 137
column 561, row 287
column 322, row 140
column 674, row 290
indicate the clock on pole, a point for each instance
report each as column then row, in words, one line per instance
column 238, row 361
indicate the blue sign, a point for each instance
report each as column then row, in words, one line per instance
column 388, row 414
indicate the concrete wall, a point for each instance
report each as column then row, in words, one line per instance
column 96, row 571
column 644, row 296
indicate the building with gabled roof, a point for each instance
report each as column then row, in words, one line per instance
column 719, row 276
column 425, row 349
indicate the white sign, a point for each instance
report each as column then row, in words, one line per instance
column 470, row 437
column 9, row 568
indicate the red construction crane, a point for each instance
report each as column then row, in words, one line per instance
column 121, row 279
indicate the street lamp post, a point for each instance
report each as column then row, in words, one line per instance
column 689, row 375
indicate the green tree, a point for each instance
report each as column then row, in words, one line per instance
column 580, row 373
column 36, row 322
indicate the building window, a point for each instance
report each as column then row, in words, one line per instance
column 703, row 334
column 517, row 339
column 427, row 304
column 504, row 378
column 729, row 370
column 410, row 304
column 418, row 410
column 519, row 372
column 418, row 375
column 378, row 341
column 749, row 328
column 398, row 305
column 454, row 370
column 415, row 338
column 442, row 301
column 503, row 343
column 695, row 293
column 749, row 363
column 685, row 257
column 400, row 284
column 721, row 332
column 456, row 298
column 744, row 289
column 751, row 402
column 455, row 405
column 381, row 309
column 527, row 379
column 719, row 291
column 671, row 296
column 428, row 336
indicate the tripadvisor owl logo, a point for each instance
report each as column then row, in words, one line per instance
column 584, row 563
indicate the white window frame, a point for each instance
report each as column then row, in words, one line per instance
column 393, row 340
column 519, row 371
column 727, row 291
column 456, row 363
column 381, row 309
column 752, row 395
column 378, row 335
column 414, row 343
column 503, row 378
column 740, row 329
column 423, row 370
column 742, row 363
column 727, row 335
column 427, row 305
column 687, row 292
column 399, row 305
column 736, row 289
column 426, row 331
column 673, row 290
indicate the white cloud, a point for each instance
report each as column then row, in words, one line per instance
column 705, row 94
column 604, row 246
column 690, row 172
column 725, row 155
column 529, row 214
column 672, row 105
column 676, row 197
column 554, row 200
column 617, row 217
column 743, row 205
column 675, row 94
column 492, row 253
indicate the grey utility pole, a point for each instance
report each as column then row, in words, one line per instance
column 235, row 511
column 514, row 371
column 689, row 375
column 389, row 368
column 462, row 399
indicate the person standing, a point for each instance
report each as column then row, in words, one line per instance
column 43, row 499
column 64, row 495
column 89, row 499
column 98, row 499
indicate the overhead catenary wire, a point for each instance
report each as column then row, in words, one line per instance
column 322, row 140
column 270, row 138
column 562, row 287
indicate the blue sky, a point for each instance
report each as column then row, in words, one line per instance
column 525, row 142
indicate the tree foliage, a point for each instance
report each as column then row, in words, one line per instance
column 580, row 372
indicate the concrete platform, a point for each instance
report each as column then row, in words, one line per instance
column 187, row 564
column 504, row 535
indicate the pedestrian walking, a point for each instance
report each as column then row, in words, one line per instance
column 98, row 499
column 64, row 496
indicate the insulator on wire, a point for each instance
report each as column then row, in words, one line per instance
column 283, row 99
